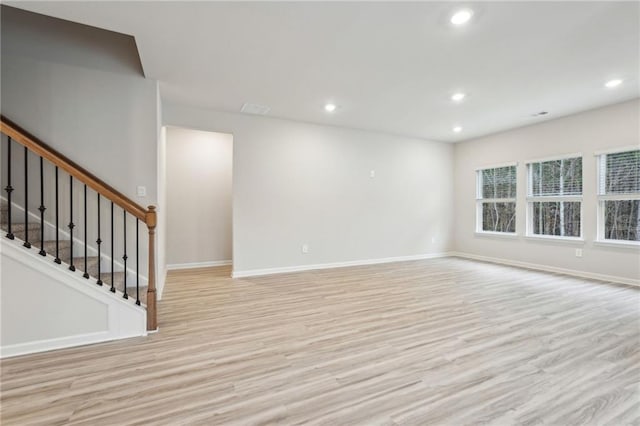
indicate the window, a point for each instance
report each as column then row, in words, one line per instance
column 555, row 197
column 619, row 196
column 496, row 200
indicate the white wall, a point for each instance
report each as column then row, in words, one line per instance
column 43, row 306
column 610, row 127
column 161, row 229
column 199, row 184
column 297, row 183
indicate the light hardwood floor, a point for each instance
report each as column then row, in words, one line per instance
column 445, row 341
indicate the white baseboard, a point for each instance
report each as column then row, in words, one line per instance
column 553, row 269
column 176, row 266
column 300, row 268
column 53, row 344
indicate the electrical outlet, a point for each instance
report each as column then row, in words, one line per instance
column 433, row 239
column 372, row 174
column 578, row 252
column 142, row 191
column 305, row 248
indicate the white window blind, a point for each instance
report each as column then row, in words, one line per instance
column 620, row 173
column 555, row 197
column 556, row 177
column 496, row 200
column 619, row 196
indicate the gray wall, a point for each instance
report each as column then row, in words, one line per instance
column 296, row 183
column 199, row 174
column 586, row 133
column 81, row 90
column 106, row 122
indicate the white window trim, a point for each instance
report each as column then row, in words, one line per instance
column 556, row 238
column 498, row 166
column 554, row 158
column 529, row 234
column 492, row 234
column 480, row 200
column 623, row 244
column 600, row 238
column 616, row 150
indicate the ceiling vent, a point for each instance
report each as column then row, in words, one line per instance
column 540, row 114
column 255, row 109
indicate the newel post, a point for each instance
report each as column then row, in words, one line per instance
column 152, row 320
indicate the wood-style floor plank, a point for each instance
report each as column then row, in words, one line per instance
column 443, row 342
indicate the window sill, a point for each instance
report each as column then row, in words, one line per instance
column 629, row 245
column 488, row 234
column 555, row 239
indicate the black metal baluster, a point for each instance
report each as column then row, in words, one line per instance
column 86, row 265
column 99, row 241
column 57, row 259
column 125, row 257
column 9, row 189
column 27, row 244
column 137, row 263
column 71, row 225
column 113, row 289
column 42, row 208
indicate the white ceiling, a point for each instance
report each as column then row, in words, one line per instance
column 390, row 67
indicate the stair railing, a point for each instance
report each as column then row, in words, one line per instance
column 104, row 192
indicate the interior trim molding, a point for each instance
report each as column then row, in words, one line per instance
column 300, row 268
column 193, row 265
column 26, row 348
column 546, row 268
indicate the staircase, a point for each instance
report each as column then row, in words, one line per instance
column 33, row 230
column 60, row 211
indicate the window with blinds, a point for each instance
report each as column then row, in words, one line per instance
column 619, row 196
column 555, row 197
column 496, row 199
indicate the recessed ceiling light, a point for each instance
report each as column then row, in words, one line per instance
column 461, row 17
column 457, row 129
column 458, row 97
column 613, row 83
column 330, row 107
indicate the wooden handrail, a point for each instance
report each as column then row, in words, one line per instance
column 40, row 148
column 147, row 216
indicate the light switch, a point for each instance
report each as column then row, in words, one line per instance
column 142, row 191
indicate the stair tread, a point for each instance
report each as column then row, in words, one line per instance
column 64, row 250
column 20, row 226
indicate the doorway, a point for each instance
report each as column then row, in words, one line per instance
column 198, row 198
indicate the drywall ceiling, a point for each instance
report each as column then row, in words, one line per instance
column 389, row 66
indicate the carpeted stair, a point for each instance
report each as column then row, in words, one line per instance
column 64, row 251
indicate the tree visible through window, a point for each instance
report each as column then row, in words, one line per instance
column 555, row 197
column 619, row 190
column 497, row 199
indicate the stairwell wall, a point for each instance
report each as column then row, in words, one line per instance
column 87, row 102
